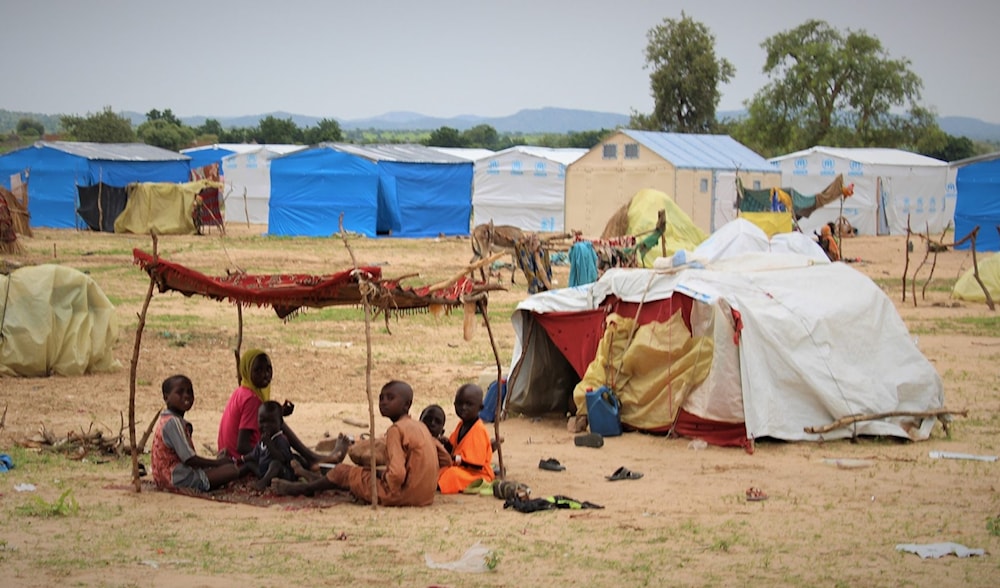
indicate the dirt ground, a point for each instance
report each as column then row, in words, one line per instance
column 686, row 522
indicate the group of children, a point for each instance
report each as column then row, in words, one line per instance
column 421, row 460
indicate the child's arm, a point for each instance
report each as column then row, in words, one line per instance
column 476, row 452
column 395, row 469
column 273, row 471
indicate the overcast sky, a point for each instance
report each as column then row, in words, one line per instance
column 444, row 58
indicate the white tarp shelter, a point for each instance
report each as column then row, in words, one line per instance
column 523, row 186
column 890, row 185
column 247, row 178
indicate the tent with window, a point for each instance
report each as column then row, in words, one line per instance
column 978, row 202
column 247, row 178
column 523, row 186
column 55, row 169
column 698, row 171
column 891, row 186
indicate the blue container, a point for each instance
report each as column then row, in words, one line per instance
column 489, row 412
column 604, row 412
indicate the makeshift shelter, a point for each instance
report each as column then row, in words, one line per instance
column 164, row 208
column 247, row 178
column 100, row 205
column 891, row 186
column 978, row 200
column 56, row 168
column 54, row 320
column 523, row 186
column 698, row 171
column 967, row 288
column 638, row 217
column 778, row 210
column 730, row 347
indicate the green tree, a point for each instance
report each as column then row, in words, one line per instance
column 166, row 116
column 277, row 131
column 102, row 127
column 445, row 137
column 954, row 148
column 833, row 88
column 482, row 136
column 685, row 76
column 29, row 127
column 209, row 127
column 165, row 134
column 325, row 131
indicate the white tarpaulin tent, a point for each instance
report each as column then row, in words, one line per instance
column 791, row 340
column 247, row 175
column 889, row 186
column 523, row 186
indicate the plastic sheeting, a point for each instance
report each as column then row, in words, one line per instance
column 56, row 321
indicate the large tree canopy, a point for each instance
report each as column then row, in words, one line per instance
column 685, row 77
column 833, row 88
column 103, row 127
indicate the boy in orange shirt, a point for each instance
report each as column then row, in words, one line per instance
column 472, row 452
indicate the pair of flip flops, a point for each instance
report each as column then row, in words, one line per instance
column 510, row 490
column 623, row 473
column 551, row 464
column 755, row 494
column 479, row 486
column 589, row 440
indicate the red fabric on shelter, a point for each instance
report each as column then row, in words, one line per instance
column 576, row 334
column 712, row 432
column 288, row 292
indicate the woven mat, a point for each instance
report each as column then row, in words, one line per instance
column 243, row 492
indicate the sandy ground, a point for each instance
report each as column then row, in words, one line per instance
column 686, row 522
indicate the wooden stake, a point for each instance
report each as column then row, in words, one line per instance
column 854, row 418
column 906, row 266
column 364, row 287
column 132, row 371
column 499, row 405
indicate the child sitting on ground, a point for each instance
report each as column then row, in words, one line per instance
column 472, row 449
column 433, row 418
column 174, row 461
column 272, row 456
column 409, row 478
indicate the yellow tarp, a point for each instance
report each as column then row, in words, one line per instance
column 680, row 233
column 56, row 320
column 967, row 288
column 653, row 376
column 771, row 223
column 162, row 208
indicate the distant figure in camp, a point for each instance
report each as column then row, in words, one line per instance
column 472, row 451
column 175, row 463
column 272, row 457
column 829, row 243
column 433, row 418
column 239, row 431
column 409, row 478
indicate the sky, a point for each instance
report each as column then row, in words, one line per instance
column 444, row 58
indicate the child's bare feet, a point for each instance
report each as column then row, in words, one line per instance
column 286, row 488
column 339, row 452
column 302, row 472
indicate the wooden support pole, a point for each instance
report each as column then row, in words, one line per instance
column 133, row 367
column 497, row 415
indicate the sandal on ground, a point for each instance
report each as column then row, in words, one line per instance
column 509, row 489
column 551, row 464
column 623, row 473
column 479, row 486
column 589, row 440
column 755, row 494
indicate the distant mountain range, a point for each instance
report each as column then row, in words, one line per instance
column 528, row 121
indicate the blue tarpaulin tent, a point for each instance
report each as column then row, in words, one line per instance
column 978, row 204
column 415, row 192
column 311, row 188
column 56, row 168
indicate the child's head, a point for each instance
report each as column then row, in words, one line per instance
column 178, row 393
column 269, row 418
column 261, row 371
column 395, row 399
column 433, row 418
column 468, row 402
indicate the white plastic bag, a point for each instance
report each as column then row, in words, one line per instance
column 478, row 558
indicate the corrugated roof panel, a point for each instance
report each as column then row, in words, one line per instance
column 115, row 151
column 403, row 153
column 564, row 156
column 466, row 153
column 868, row 155
column 701, row 151
column 234, row 147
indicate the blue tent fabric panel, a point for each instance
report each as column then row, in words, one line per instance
column 433, row 199
column 203, row 157
column 389, row 221
column 123, row 173
column 311, row 188
column 978, row 204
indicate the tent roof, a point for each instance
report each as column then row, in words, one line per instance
column 976, row 159
column 233, row 147
column 468, row 153
column 867, row 155
column 701, row 151
column 564, row 156
column 114, row 151
column 405, row 153
column 274, row 149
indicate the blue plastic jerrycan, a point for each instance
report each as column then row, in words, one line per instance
column 604, row 412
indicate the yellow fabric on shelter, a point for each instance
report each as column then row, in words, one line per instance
column 680, row 233
column 653, row 375
column 771, row 223
column 967, row 288
column 162, row 208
